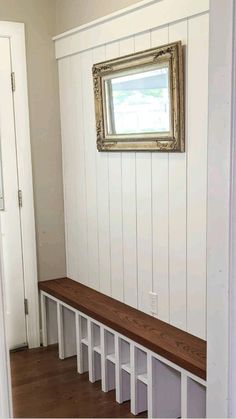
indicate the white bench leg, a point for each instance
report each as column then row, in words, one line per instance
column 119, row 397
column 133, row 380
column 184, row 392
column 151, row 384
column 122, row 377
column 44, row 319
column 60, row 331
column 104, row 371
column 80, row 365
column 90, row 353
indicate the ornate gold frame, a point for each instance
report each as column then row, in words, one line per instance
column 161, row 142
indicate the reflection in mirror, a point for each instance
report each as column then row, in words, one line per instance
column 138, row 102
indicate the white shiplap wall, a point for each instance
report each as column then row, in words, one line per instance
column 136, row 222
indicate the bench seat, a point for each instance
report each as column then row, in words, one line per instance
column 179, row 347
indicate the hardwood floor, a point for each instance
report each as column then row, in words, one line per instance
column 44, row 386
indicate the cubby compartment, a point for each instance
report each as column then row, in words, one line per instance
column 125, row 386
column 196, row 399
column 82, row 343
column 141, row 365
column 126, row 370
column 84, row 359
column 139, row 388
column 69, row 332
column 84, row 330
column 108, row 360
column 51, row 321
column 94, row 351
column 109, row 346
column 110, row 375
column 164, row 391
column 123, row 370
column 125, row 355
column 96, row 338
column 141, row 397
column 97, row 375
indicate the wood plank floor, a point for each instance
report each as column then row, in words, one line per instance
column 43, row 386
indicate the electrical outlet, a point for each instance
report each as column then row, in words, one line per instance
column 153, row 302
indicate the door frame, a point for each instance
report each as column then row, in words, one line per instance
column 6, row 408
column 16, row 33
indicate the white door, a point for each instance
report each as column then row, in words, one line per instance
column 10, row 210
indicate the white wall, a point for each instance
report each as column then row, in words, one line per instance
column 136, row 222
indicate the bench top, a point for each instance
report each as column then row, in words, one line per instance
column 179, row 347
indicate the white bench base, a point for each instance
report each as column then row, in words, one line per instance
column 150, row 381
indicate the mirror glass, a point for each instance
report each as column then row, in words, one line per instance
column 138, row 102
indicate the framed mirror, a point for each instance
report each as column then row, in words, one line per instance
column 139, row 101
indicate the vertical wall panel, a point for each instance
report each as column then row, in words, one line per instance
column 74, row 172
column 63, row 69
column 160, row 204
column 129, row 211
column 197, row 173
column 90, row 161
column 116, row 221
column 144, row 210
column 136, row 222
column 78, row 181
column 68, row 130
column 103, row 204
column 177, row 212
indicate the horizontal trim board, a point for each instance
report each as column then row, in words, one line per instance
column 131, row 21
column 105, row 18
column 174, row 344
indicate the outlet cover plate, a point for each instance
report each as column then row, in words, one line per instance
column 153, row 301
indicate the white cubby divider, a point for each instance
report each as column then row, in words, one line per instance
column 108, row 360
column 123, row 381
column 82, row 343
column 147, row 379
column 94, row 351
column 60, row 328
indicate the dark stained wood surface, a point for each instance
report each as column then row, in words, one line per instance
column 45, row 387
column 183, row 349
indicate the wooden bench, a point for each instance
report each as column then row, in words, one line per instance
column 179, row 355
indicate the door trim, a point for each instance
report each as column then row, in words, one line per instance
column 16, row 33
column 6, row 408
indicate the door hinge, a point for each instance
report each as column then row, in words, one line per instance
column 26, row 305
column 13, row 82
column 20, row 199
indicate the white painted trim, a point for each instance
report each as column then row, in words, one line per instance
column 129, row 21
column 103, row 19
column 16, row 33
column 232, row 285
column 221, row 99
column 5, row 377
